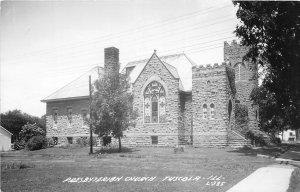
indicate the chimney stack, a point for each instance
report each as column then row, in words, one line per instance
column 111, row 61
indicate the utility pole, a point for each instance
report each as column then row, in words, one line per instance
column 91, row 132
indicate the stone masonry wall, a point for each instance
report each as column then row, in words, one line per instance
column 234, row 54
column 210, row 85
column 186, row 118
column 63, row 129
column 167, row 133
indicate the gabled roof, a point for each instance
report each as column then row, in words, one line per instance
column 5, row 130
column 79, row 88
column 179, row 65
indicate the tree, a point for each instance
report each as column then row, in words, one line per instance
column 272, row 118
column 271, row 30
column 112, row 106
column 30, row 130
column 14, row 120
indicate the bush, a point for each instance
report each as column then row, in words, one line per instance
column 19, row 144
column 94, row 141
column 36, row 143
column 276, row 140
column 258, row 138
column 82, row 141
column 30, row 130
column 50, row 142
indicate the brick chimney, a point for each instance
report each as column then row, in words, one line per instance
column 111, row 61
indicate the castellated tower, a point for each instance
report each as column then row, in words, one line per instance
column 245, row 79
column 213, row 105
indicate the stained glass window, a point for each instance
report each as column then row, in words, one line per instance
column 154, row 103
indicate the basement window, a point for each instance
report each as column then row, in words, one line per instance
column 55, row 140
column 154, row 140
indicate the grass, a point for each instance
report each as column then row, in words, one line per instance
column 54, row 165
column 294, row 185
column 16, row 165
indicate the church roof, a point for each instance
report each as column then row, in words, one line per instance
column 179, row 65
column 79, row 88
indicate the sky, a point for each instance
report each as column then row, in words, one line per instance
column 44, row 45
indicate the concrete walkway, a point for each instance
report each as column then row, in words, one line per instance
column 265, row 179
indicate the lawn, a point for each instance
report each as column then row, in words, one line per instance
column 138, row 169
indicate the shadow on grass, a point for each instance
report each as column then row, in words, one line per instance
column 271, row 151
column 115, row 150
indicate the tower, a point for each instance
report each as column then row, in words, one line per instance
column 245, row 79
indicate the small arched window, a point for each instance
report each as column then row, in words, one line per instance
column 212, row 111
column 205, row 111
column 240, row 72
column 154, row 103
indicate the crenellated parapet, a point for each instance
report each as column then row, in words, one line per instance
column 215, row 69
column 234, row 52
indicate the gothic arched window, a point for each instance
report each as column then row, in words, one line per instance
column 154, row 103
column 240, row 72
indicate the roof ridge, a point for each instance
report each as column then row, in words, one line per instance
column 71, row 82
column 160, row 57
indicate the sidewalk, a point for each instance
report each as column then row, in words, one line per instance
column 275, row 178
column 265, row 179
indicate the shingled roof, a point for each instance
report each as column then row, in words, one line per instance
column 79, row 88
column 179, row 65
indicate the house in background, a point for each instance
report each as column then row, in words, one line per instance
column 289, row 136
column 5, row 139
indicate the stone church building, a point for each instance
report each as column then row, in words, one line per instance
column 178, row 102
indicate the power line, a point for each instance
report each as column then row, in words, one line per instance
column 163, row 51
column 103, row 37
column 164, row 34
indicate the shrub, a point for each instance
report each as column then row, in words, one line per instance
column 50, row 142
column 19, row 144
column 36, row 143
column 94, row 141
column 82, row 141
column 241, row 117
column 258, row 138
column 276, row 140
